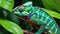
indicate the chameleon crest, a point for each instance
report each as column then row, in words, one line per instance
column 38, row 16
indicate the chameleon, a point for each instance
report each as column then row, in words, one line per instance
column 38, row 17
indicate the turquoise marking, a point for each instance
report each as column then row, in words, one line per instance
column 37, row 13
column 49, row 22
column 47, row 19
column 52, row 27
column 56, row 30
column 43, row 16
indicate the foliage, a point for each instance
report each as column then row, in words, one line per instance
column 6, row 7
column 11, row 27
column 52, row 4
column 7, row 4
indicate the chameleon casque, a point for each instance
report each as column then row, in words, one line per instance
column 39, row 18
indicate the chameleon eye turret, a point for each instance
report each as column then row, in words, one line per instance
column 21, row 7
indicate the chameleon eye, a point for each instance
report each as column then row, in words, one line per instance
column 21, row 8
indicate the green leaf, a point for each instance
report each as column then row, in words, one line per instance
column 11, row 27
column 7, row 4
column 52, row 4
column 52, row 13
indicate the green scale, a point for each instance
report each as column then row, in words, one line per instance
column 38, row 17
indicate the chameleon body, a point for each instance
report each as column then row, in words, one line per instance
column 40, row 17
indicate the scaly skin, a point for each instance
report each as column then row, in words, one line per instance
column 40, row 17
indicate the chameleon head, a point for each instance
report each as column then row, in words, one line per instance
column 24, row 9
